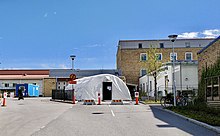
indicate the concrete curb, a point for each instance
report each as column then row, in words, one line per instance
column 192, row 120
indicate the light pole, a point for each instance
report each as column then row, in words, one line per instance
column 72, row 58
column 172, row 39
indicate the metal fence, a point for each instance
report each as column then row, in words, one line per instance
column 62, row 94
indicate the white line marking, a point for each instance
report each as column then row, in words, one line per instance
column 113, row 113
column 42, row 127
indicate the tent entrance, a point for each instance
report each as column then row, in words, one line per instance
column 107, row 90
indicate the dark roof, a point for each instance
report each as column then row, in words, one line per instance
column 24, row 72
column 209, row 45
column 65, row 73
column 178, row 39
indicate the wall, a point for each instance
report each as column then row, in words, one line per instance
column 130, row 63
column 209, row 56
column 49, row 85
column 21, row 81
column 189, row 71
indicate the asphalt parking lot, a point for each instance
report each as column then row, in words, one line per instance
column 40, row 117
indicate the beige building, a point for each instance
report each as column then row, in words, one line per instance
column 10, row 78
column 132, row 57
column 210, row 83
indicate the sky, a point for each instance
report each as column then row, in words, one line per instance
column 42, row 34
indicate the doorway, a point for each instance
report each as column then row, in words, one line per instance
column 107, row 90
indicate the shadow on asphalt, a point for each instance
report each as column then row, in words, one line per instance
column 175, row 121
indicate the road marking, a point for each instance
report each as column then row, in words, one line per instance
column 42, row 127
column 113, row 113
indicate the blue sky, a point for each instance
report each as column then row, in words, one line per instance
column 44, row 33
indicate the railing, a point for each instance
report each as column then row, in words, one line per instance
column 62, row 95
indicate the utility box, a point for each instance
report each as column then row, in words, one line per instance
column 28, row 90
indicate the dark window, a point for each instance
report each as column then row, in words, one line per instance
column 140, row 45
column 6, row 84
column 187, row 44
column 143, row 72
column 14, row 84
column 161, row 45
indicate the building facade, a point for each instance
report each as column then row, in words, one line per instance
column 132, row 57
column 209, row 67
column 186, row 78
column 62, row 75
column 10, row 78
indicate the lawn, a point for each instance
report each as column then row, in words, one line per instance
column 204, row 114
column 151, row 102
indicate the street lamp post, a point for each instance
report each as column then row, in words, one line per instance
column 72, row 58
column 172, row 39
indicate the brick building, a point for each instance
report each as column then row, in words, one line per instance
column 132, row 54
column 208, row 57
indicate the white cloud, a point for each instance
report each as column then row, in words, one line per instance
column 53, row 65
column 95, row 45
column 212, row 33
column 63, row 66
column 189, row 35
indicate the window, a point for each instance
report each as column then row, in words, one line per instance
column 150, row 85
column 159, row 56
column 6, row 84
column 188, row 56
column 175, row 56
column 187, row 44
column 161, row 45
column 143, row 57
column 140, row 45
column 14, row 84
column 143, row 72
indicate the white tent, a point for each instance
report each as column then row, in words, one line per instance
column 88, row 87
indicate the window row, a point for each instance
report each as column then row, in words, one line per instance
column 13, row 84
column 161, row 45
column 159, row 56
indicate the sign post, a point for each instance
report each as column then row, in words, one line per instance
column 72, row 78
column 136, row 96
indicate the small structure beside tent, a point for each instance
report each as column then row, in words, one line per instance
column 109, row 86
column 28, row 89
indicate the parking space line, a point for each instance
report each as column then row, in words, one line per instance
column 113, row 113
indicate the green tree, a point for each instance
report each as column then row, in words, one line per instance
column 154, row 63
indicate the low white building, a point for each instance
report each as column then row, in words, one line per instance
column 186, row 77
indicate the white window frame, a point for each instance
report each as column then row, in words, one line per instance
column 189, row 53
column 174, row 55
column 161, row 56
column 141, row 56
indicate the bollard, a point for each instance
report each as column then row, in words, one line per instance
column 136, row 96
column 99, row 99
column 74, row 98
column 4, row 99
column 136, row 101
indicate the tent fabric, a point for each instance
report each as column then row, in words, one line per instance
column 88, row 87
